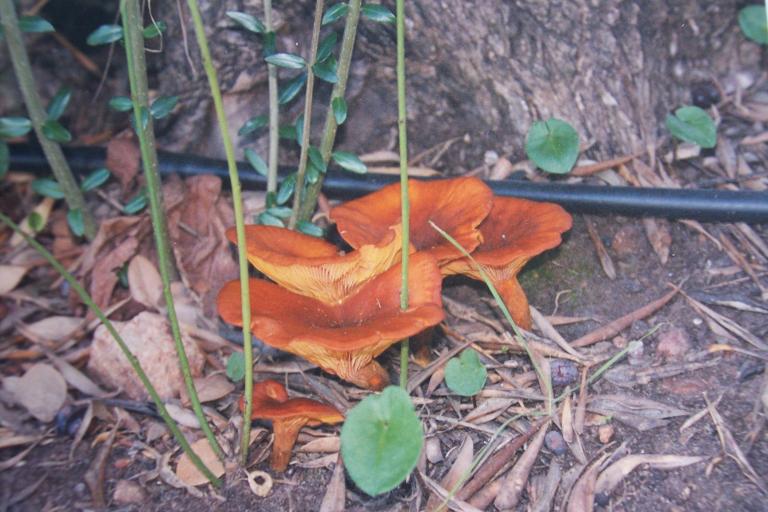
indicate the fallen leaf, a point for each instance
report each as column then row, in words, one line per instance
column 548, row 486
column 41, row 390
column 459, row 470
column 659, row 236
column 336, row 491
column 582, row 498
column 615, row 473
column 213, row 387
column 10, row 277
column 43, row 210
column 104, row 274
column 330, row 444
column 123, row 158
column 639, row 413
column 514, row 483
column 144, row 282
column 189, row 474
column 76, row 378
column 51, row 329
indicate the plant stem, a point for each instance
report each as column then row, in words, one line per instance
column 52, row 150
column 132, row 360
column 302, row 172
column 237, row 202
column 339, row 89
column 402, row 132
column 274, row 114
column 137, row 75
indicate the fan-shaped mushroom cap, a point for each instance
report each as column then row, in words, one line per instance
column 515, row 231
column 344, row 338
column 457, row 205
column 288, row 416
column 310, row 266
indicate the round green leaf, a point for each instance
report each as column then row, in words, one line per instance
column 5, row 159
column 553, row 145
column 335, row 12
column 55, row 132
column 48, row 187
column 163, row 106
column 75, row 221
column 291, row 89
column 693, row 124
column 326, row 70
column 247, row 21
column 252, row 125
column 121, row 103
column 285, row 190
column 59, row 103
column 381, row 440
column 281, row 212
column 339, row 106
column 154, row 30
column 287, row 60
column 35, row 221
column 265, row 219
column 258, row 163
column 316, row 159
column 236, row 367
column 349, row 161
column 310, row 229
column 465, row 375
column 135, row 205
column 378, row 13
column 11, row 127
column 753, row 23
column 326, row 47
column 105, row 34
column 35, row 24
column 96, row 179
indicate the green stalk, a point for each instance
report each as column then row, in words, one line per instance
column 274, row 114
column 237, row 202
column 301, row 174
column 339, row 89
column 137, row 75
column 72, row 194
column 405, row 205
column 132, row 360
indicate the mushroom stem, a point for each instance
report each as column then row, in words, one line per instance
column 517, row 303
column 286, row 432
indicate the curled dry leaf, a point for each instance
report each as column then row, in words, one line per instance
column 582, row 498
column 213, row 387
column 189, row 474
column 547, row 488
column 460, row 469
column 514, row 482
column 123, row 157
column 260, row 483
column 10, row 277
column 615, row 473
column 659, row 236
column 41, row 390
column 76, row 378
column 639, row 413
column 43, row 210
column 51, row 329
column 329, row 444
column 335, row 494
column 144, row 282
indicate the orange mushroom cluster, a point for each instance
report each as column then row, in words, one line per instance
column 341, row 310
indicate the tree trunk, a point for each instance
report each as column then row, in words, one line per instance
column 488, row 69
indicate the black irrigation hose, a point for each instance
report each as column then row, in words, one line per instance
column 702, row 204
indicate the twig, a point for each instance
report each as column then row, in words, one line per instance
column 274, row 113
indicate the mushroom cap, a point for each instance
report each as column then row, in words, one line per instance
column 310, row 266
column 456, row 205
column 271, row 402
column 341, row 338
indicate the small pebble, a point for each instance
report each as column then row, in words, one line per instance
column 605, row 433
column 563, row 372
column 490, row 157
column 555, row 443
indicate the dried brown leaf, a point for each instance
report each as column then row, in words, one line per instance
column 10, row 277
column 329, row 444
column 41, row 390
column 213, row 387
column 43, row 210
column 514, row 483
column 144, row 282
column 602, row 253
column 459, row 471
column 123, row 158
column 189, row 474
column 547, row 489
column 639, row 413
column 615, row 473
column 51, row 329
column 566, row 420
column 659, row 236
column 336, row 491
column 76, row 378
column 582, row 498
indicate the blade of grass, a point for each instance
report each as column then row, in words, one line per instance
column 237, row 203
column 52, row 150
column 274, row 113
column 132, row 360
column 137, row 76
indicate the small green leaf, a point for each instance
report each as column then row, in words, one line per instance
column 465, row 375
column 135, row 205
column 312, row 174
column 252, row 125
column 693, row 124
column 285, row 190
column 48, row 187
column 291, row 89
column 378, row 13
column 35, row 24
column 53, row 130
column 339, row 106
column 381, row 440
column 326, row 70
column 269, row 44
column 299, row 126
column 326, row 47
column 105, row 34
column 163, row 106
column 753, row 23
column 144, row 114
column 349, row 161
column 281, row 212
column 265, row 219
column 96, row 179
column 121, row 103
column 59, row 103
column 11, row 127
column 287, row 132
column 5, row 159
column 553, row 145
column 247, row 21
column 287, row 60
column 236, row 367
column 75, row 221
column 316, row 159
column 154, row 30
column 335, row 12
column 258, row 163
column 310, row 229
column 35, row 221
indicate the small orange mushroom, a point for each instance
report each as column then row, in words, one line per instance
column 288, row 416
column 515, row 231
column 457, row 205
column 345, row 337
column 313, row 267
